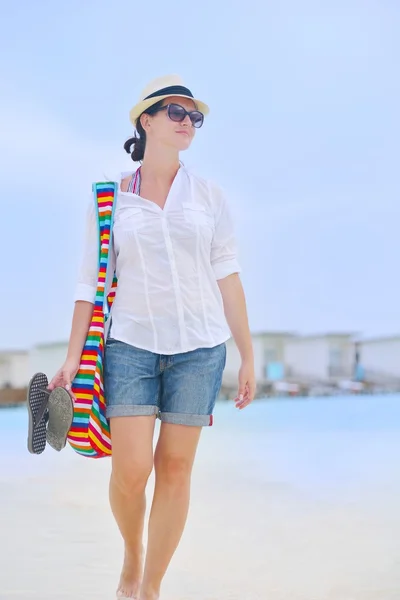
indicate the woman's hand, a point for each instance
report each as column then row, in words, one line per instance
column 247, row 385
column 65, row 376
column 236, row 315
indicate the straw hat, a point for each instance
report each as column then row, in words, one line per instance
column 160, row 88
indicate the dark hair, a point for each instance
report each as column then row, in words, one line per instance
column 139, row 141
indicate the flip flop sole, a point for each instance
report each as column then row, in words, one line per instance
column 61, row 414
column 37, row 400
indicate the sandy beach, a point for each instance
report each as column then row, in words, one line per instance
column 279, row 512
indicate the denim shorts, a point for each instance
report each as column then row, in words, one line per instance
column 180, row 388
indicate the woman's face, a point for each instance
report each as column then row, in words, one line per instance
column 163, row 130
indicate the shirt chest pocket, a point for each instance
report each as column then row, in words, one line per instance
column 197, row 214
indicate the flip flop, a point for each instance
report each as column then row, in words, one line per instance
column 61, row 414
column 37, row 403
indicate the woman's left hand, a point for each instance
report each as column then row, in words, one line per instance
column 247, row 385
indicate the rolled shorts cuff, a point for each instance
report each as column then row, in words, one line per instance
column 131, row 410
column 186, row 419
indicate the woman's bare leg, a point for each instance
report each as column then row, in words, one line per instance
column 173, row 462
column 132, row 463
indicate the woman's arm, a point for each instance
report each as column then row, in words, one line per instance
column 226, row 270
column 80, row 326
column 236, row 315
column 84, row 297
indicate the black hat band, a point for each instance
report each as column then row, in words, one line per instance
column 172, row 90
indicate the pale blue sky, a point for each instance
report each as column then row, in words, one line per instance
column 303, row 134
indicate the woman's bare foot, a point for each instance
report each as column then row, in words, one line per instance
column 152, row 596
column 149, row 591
column 131, row 576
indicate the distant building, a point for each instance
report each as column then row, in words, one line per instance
column 269, row 351
column 320, row 357
column 47, row 358
column 278, row 357
column 14, row 368
column 380, row 357
column 269, row 355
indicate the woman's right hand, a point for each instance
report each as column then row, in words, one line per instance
column 65, row 376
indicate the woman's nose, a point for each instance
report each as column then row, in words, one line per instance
column 186, row 121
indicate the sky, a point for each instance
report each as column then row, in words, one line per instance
column 303, row 135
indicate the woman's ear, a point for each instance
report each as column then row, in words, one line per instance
column 145, row 121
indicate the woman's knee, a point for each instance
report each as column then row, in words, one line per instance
column 173, row 470
column 132, row 456
column 131, row 477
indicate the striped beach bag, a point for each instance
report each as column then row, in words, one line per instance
column 89, row 434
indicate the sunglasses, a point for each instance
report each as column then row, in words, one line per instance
column 177, row 113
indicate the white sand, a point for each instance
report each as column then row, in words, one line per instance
column 250, row 535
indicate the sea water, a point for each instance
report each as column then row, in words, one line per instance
column 319, row 444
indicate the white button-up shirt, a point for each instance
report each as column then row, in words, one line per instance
column 167, row 262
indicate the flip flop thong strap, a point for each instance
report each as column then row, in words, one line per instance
column 42, row 409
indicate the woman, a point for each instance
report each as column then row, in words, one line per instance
column 178, row 295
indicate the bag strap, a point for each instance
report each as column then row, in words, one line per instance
column 133, row 187
column 105, row 194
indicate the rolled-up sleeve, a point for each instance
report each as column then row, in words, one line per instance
column 224, row 259
column 86, row 286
